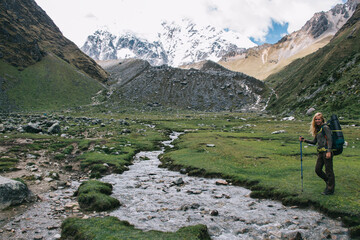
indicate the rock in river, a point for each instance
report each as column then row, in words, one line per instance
column 13, row 192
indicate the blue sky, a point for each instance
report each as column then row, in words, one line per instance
column 275, row 33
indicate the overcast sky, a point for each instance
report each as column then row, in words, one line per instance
column 255, row 19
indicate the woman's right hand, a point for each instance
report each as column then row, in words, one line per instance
column 301, row 139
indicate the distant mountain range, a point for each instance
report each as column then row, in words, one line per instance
column 41, row 70
column 177, row 44
column 183, row 44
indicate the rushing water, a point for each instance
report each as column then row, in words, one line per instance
column 156, row 199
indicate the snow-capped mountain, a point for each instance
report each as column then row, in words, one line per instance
column 177, row 44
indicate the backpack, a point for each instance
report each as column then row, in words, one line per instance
column 336, row 134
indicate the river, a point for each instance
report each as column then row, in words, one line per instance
column 154, row 198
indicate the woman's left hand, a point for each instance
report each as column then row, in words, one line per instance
column 328, row 155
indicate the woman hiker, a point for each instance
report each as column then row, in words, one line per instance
column 322, row 136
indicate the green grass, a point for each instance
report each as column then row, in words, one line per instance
column 246, row 152
column 117, row 163
column 8, row 164
column 270, row 164
column 118, row 150
column 111, row 228
column 50, row 84
column 94, row 196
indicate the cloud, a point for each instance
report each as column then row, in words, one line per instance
column 91, row 16
column 252, row 18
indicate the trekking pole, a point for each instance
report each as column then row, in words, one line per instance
column 302, row 178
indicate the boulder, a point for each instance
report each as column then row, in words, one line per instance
column 178, row 182
column 54, row 129
column 310, row 111
column 13, row 192
column 32, row 128
column 278, row 132
column 221, row 182
column 291, row 118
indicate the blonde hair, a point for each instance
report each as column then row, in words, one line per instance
column 313, row 131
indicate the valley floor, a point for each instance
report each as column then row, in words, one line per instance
column 261, row 153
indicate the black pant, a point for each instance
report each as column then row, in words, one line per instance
column 328, row 176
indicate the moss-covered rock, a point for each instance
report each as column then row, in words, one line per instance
column 94, row 196
column 113, row 228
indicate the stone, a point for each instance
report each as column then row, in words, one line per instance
column 291, row 118
column 210, row 145
column 221, row 182
column 278, row 132
column 310, row 111
column 54, row 129
column 327, row 234
column 124, row 131
column 214, row 213
column 57, row 236
column 32, row 128
column 13, row 192
column 71, row 205
column 178, row 182
column 293, row 235
column 61, row 183
column 48, row 179
column 194, row 191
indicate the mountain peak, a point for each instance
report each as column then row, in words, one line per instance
column 177, row 43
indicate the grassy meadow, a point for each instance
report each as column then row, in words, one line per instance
column 242, row 148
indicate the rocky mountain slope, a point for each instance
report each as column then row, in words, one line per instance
column 177, row 44
column 212, row 88
column 328, row 80
column 38, row 65
column 262, row 61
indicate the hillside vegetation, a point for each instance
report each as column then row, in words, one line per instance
column 50, row 84
column 40, row 69
column 327, row 80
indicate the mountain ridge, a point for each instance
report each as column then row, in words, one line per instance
column 28, row 34
column 39, row 68
column 177, row 44
column 211, row 89
column 264, row 60
column 327, row 80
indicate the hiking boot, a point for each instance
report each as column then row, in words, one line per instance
column 327, row 192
